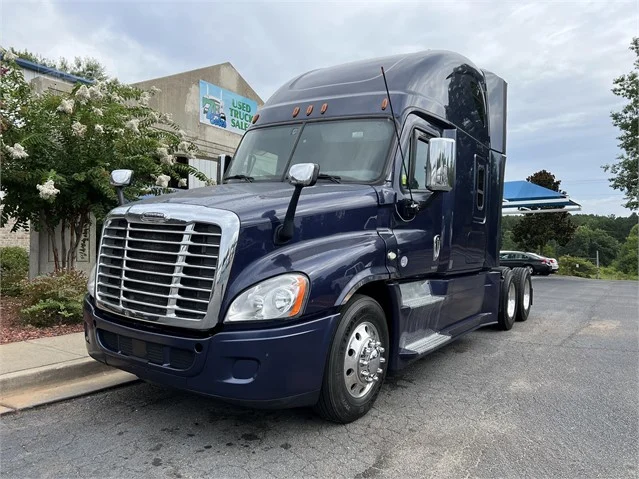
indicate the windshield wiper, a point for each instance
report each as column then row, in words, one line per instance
column 333, row 178
column 248, row 179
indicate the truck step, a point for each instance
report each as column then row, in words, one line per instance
column 423, row 345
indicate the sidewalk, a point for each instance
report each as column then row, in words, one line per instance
column 41, row 371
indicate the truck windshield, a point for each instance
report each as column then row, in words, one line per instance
column 353, row 150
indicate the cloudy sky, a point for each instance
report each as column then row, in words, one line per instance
column 558, row 57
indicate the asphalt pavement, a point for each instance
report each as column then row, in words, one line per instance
column 557, row 396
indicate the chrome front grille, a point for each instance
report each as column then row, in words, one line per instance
column 158, row 271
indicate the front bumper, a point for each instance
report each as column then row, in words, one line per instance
column 269, row 367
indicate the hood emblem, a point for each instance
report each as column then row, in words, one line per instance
column 153, row 217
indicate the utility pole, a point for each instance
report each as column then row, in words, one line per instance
column 597, row 264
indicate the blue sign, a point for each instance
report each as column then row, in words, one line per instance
column 224, row 109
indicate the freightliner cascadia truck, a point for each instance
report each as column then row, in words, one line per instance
column 355, row 230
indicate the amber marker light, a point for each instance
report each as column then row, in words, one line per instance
column 309, row 110
column 296, row 111
column 255, row 118
column 384, row 103
column 303, row 285
column 324, row 108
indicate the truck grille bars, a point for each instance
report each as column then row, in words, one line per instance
column 164, row 271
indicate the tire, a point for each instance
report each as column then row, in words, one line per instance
column 507, row 301
column 346, row 396
column 531, row 269
column 523, row 284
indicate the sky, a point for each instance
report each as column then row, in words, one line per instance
column 558, row 57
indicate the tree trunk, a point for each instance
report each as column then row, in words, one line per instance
column 78, row 227
column 70, row 255
column 63, row 244
column 54, row 246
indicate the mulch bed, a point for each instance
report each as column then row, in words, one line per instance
column 11, row 330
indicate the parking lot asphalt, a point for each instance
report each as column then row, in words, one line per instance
column 557, row 396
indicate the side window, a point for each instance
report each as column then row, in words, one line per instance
column 418, row 159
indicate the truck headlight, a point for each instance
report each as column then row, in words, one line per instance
column 279, row 297
column 91, row 281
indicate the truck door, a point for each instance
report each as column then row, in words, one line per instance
column 419, row 237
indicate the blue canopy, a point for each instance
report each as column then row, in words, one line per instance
column 521, row 197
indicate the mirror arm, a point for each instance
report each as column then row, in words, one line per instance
column 120, row 193
column 284, row 232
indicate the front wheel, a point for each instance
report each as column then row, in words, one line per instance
column 356, row 365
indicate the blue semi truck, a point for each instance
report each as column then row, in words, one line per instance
column 356, row 230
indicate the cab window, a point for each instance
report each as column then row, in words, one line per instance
column 418, row 161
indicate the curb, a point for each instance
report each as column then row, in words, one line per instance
column 50, row 374
column 48, row 384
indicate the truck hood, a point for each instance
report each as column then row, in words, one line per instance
column 260, row 200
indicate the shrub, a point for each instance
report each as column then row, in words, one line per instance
column 572, row 266
column 53, row 299
column 14, row 266
column 608, row 272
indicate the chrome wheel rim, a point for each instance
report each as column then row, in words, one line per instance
column 512, row 300
column 363, row 360
column 526, row 295
column 530, row 269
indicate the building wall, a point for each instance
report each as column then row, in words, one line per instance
column 180, row 96
column 18, row 238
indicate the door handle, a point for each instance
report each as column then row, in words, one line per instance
column 437, row 244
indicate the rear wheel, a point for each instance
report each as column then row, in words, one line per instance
column 530, row 269
column 523, row 285
column 508, row 301
column 356, row 365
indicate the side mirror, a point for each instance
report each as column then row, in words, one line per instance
column 303, row 174
column 300, row 175
column 440, row 170
column 120, row 179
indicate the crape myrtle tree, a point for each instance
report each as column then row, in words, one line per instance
column 57, row 151
column 534, row 231
column 626, row 170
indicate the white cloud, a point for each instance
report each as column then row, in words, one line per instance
column 559, row 58
column 44, row 30
column 604, row 206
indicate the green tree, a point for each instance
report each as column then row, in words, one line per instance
column 616, row 226
column 628, row 261
column 535, row 230
column 587, row 241
column 84, row 67
column 626, row 170
column 57, row 150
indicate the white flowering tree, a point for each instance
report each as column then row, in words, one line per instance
column 57, row 151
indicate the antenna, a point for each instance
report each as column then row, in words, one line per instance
column 399, row 143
